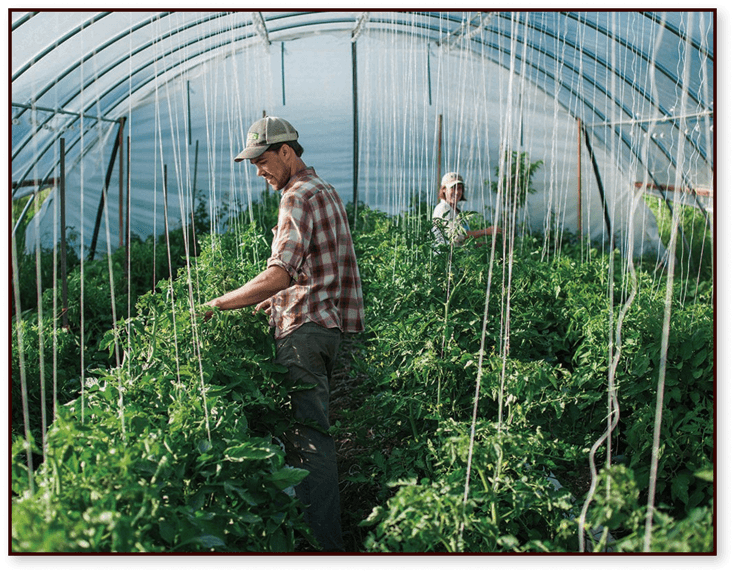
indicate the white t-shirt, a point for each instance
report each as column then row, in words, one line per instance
column 449, row 226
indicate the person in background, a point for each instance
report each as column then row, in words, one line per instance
column 447, row 225
column 312, row 293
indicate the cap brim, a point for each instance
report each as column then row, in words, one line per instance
column 251, row 152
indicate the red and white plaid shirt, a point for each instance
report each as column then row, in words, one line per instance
column 313, row 244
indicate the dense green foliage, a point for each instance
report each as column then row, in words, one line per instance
column 695, row 249
column 173, row 449
column 548, row 373
column 173, row 445
column 90, row 282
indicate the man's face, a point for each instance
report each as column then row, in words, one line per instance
column 454, row 194
column 272, row 167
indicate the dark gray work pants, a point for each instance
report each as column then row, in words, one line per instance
column 309, row 353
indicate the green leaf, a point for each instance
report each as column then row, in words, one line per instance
column 706, row 474
column 680, row 485
column 167, row 531
column 273, row 367
column 244, row 494
column 673, row 394
column 278, row 542
column 250, row 451
column 686, row 350
column 287, row 476
column 701, row 356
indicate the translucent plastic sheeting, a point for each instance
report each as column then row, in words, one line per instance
column 640, row 82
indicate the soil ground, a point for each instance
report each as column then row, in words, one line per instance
column 357, row 499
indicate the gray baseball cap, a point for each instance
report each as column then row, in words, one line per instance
column 263, row 133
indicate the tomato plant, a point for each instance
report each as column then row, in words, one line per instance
column 463, row 372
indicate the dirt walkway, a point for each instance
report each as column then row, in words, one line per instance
column 357, row 499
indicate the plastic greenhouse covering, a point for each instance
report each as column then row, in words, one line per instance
column 615, row 104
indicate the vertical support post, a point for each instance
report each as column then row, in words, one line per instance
column 193, row 191
column 428, row 66
column 188, row 103
column 578, row 170
column 522, row 125
column 128, row 187
column 282, row 69
column 165, row 219
column 127, row 229
column 600, row 186
column 120, row 188
column 127, row 214
column 103, row 197
column 196, row 167
column 265, row 114
column 62, row 207
column 355, row 129
column 440, row 147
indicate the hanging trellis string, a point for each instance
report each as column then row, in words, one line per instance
column 185, row 201
column 667, row 312
column 480, row 375
column 39, row 320
column 22, row 368
column 613, row 415
column 113, row 309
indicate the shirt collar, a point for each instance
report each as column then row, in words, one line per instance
column 306, row 171
column 444, row 202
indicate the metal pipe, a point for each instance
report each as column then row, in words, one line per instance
column 355, row 127
column 600, row 186
column 62, row 208
column 259, row 24
column 42, row 184
column 33, row 183
column 196, row 167
column 193, row 194
column 428, row 66
column 282, row 69
column 188, row 104
column 120, row 189
column 103, row 197
column 63, row 112
column 127, row 218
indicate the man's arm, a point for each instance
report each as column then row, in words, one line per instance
column 269, row 282
column 484, row 232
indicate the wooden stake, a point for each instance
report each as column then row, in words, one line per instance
column 579, row 179
column 355, row 128
column 440, row 145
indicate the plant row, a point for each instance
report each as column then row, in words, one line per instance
column 486, row 385
column 549, row 343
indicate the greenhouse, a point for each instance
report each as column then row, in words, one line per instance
column 543, row 381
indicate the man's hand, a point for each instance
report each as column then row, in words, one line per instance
column 208, row 314
column 266, row 306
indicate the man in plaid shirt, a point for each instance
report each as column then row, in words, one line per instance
column 312, row 292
